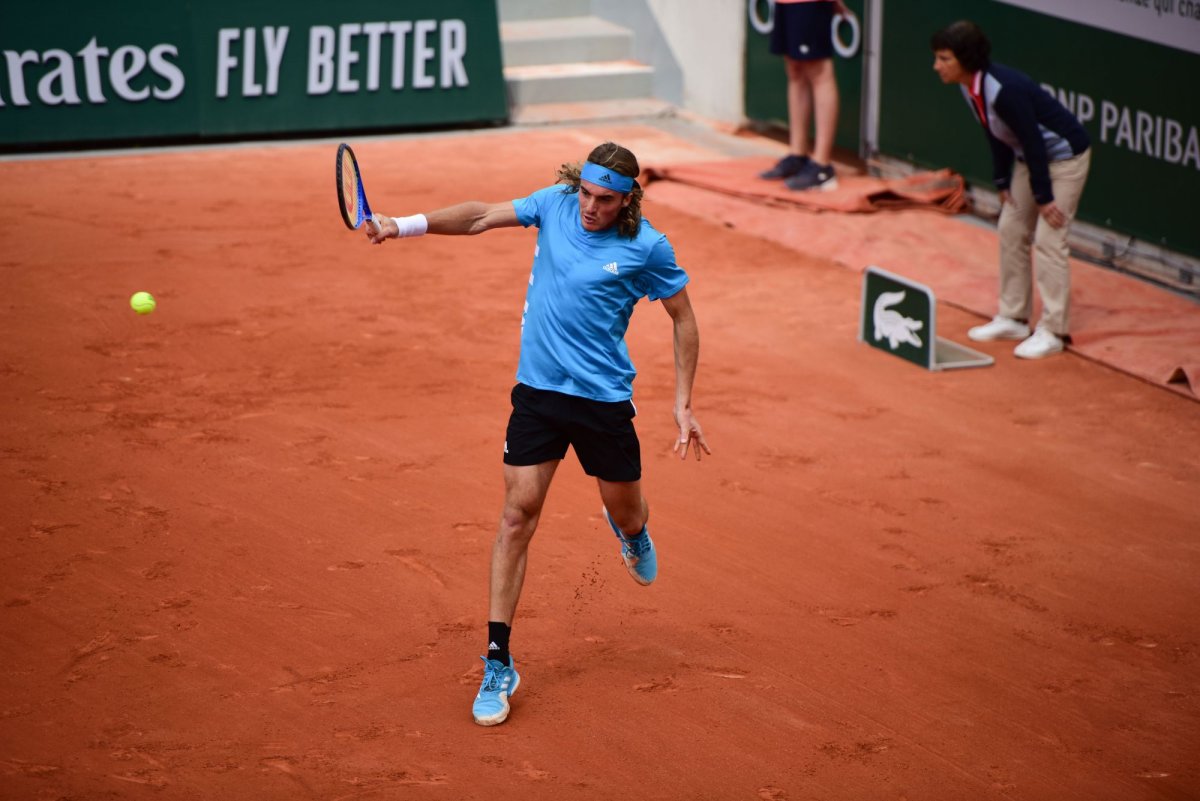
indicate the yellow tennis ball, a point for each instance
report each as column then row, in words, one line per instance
column 142, row 302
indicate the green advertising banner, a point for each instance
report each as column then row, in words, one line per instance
column 1135, row 92
column 74, row 72
column 766, row 81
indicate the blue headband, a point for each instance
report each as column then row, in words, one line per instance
column 603, row 176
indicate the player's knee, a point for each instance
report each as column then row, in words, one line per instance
column 517, row 522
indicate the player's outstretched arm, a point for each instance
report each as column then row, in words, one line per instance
column 472, row 217
column 687, row 356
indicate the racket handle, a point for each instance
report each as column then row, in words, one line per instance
column 372, row 223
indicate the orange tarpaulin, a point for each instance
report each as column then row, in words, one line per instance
column 940, row 190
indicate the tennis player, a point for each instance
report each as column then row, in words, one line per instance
column 595, row 259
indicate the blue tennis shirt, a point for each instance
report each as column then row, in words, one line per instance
column 581, row 294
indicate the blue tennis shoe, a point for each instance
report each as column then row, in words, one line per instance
column 499, row 683
column 638, row 553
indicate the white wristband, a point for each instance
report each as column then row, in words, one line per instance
column 416, row 225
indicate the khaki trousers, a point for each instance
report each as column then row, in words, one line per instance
column 1023, row 229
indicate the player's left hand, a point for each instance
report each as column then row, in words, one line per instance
column 690, row 435
column 1052, row 214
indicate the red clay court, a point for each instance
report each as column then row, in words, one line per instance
column 246, row 537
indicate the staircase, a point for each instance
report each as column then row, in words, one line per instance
column 563, row 64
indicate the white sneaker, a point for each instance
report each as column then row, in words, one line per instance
column 999, row 328
column 1043, row 343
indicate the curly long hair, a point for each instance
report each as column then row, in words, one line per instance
column 618, row 159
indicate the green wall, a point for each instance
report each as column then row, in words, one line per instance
column 90, row 73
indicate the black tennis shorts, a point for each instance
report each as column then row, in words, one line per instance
column 803, row 31
column 544, row 423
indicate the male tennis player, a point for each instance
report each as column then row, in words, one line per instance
column 595, row 258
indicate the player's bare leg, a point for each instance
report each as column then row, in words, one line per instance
column 627, row 513
column 525, row 491
column 524, row 495
column 625, row 504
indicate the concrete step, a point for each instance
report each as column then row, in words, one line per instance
column 578, row 82
column 629, row 108
column 563, row 39
column 514, row 10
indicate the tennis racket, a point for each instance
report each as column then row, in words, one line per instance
column 352, row 198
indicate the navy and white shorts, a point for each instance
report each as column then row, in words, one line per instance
column 544, row 423
column 803, row 31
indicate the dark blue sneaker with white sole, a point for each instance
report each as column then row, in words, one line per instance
column 499, row 683
column 786, row 167
column 821, row 177
column 638, row 553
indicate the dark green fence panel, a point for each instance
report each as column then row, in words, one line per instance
column 135, row 70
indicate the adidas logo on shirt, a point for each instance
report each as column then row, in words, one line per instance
column 611, row 267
